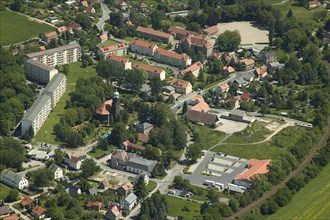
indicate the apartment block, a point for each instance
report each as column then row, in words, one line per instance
column 181, row 86
column 194, row 69
column 57, row 56
column 14, row 180
column 39, row 72
column 56, row 88
column 158, row 36
column 152, row 71
column 120, row 61
column 172, row 58
column 143, row 47
column 118, row 49
column 36, row 115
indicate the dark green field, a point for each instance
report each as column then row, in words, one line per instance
column 16, row 28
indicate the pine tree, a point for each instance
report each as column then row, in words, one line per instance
column 185, row 107
column 140, row 188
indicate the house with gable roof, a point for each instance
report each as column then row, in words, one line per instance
column 181, row 86
column 197, row 43
column 39, row 212
column 129, row 202
column 75, row 159
column 113, row 212
column 15, row 180
column 56, row 170
column 121, row 62
column 194, row 69
column 125, row 189
column 143, row 47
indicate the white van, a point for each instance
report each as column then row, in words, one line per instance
column 172, row 192
column 209, row 183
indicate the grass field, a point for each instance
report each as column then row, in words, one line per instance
column 176, row 206
column 208, row 137
column 311, row 202
column 4, row 191
column 99, row 152
column 257, row 132
column 46, row 132
column 151, row 186
column 108, row 43
column 16, row 28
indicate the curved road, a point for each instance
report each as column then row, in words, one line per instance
column 105, row 15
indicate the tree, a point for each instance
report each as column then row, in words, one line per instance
column 42, row 177
column 159, row 170
column 89, row 168
column 190, row 77
column 184, row 107
column 116, row 19
column 234, row 205
column 59, row 156
column 84, row 21
column 229, row 41
column 119, row 134
column 193, row 152
column 155, row 85
column 12, row 196
column 103, row 144
column 212, row 196
column 66, row 69
column 16, row 5
column 193, row 26
column 140, row 188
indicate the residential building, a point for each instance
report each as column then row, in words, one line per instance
column 247, row 63
column 11, row 217
column 144, row 176
column 56, row 88
column 38, row 212
column 181, row 86
column 211, row 31
column 96, row 206
column 113, row 213
column 230, row 69
column 260, row 72
column 254, row 167
column 143, row 47
column 143, row 7
column 72, row 190
column 117, row 49
column 194, row 69
column 158, row 36
column 120, row 61
column 103, row 37
column 125, row 189
column 39, row 72
column 197, row 43
column 172, row 58
column 274, row 66
column 27, row 202
column 127, row 145
column 267, row 57
column 235, row 101
column 92, row 191
column 49, row 36
column 144, row 128
column 62, row 29
column 151, row 71
column 246, row 96
column 75, row 159
column 56, row 171
column 52, row 20
column 248, row 77
column 140, row 165
column 84, row 4
column 104, row 184
column 168, row 90
column 144, row 138
column 313, row 4
column 237, row 115
column 199, row 104
column 180, row 33
column 119, row 158
column 36, row 115
column 123, row 5
column 129, row 202
column 202, row 117
column 222, row 87
column 57, row 56
column 5, row 211
column 90, row 10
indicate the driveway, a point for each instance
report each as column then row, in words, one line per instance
column 105, row 15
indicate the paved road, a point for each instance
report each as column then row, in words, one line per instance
column 105, row 15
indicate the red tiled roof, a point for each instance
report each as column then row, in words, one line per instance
column 216, row 55
column 171, row 54
column 313, row 3
column 201, row 107
column 197, row 98
column 143, row 137
column 135, row 146
column 230, row 69
column 92, row 204
column 38, row 211
column 247, row 61
column 143, row 43
column 104, row 109
column 234, row 99
column 246, row 96
column 123, row 4
column 179, row 83
column 42, row 48
column 74, row 159
column 260, row 71
column 142, row 5
column 114, row 209
column 148, row 68
column 118, row 59
column 104, row 37
column 105, row 183
column 224, row 86
column 153, row 32
column 26, row 201
column 129, row 23
column 114, row 47
column 51, row 35
column 192, row 68
column 197, row 41
column 74, row 25
column 212, row 30
column 176, row 30
column 257, row 167
column 127, row 186
column 12, row 217
column 61, row 29
column 89, row 9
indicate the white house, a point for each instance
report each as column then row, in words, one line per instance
column 145, row 178
column 75, row 159
column 12, row 179
column 129, row 202
column 56, row 170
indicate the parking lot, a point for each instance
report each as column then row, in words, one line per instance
column 215, row 167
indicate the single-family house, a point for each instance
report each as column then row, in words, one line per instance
column 90, row 10
column 119, row 158
column 216, row 55
column 95, row 206
column 123, row 5
column 127, row 145
column 151, row 71
column 72, row 190
column 260, row 72
column 125, row 189
column 113, row 189
column 181, row 86
column 313, row 4
column 222, row 87
column 11, row 217
column 140, row 165
column 56, row 171
column 248, row 77
column 129, row 23
column 199, row 104
column 84, row 4
column 38, row 212
column 113, row 212
column 52, row 20
column 211, row 31
column 202, row 117
column 27, row 202
column 143, row 7
column 129, row 202
column 235, row 101
column 254, row 167
column 5, row 211
column 49, row 36
column 241, row 81
column 103, row 37
column 61, row 30
column 144, row 128
column 246, row 96
column 194, row 69
column 120, row 62
column 247, row 63
column 15, row 180
column 75, row 159
column 144, row 138
column 230, row 69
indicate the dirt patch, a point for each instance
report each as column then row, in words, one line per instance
column 273, row 126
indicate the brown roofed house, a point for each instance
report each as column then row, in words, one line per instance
column 154, row 35
column 49, row 36
column 180, row 33
column 125, row 189
column 202, row 117
column 119, row 158
column 11, row 217
column 103, row 37
column 194, row 69
column 27, row 202
column 96, row 206
column 181, row 86
column 151, row 71
column 38, row 212
column 113, row 213
column 211, row 31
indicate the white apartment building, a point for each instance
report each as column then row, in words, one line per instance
column 118, row 49
column 56, row 170
column 143, row 47
column 152, row 71
column 36, row 115
column 172, row 58
column 121, row 62
column 14, row 180
column 194, row 69
column 57, row 56
column 56, row 88
column 39, row 72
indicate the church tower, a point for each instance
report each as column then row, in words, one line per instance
column 115, row 105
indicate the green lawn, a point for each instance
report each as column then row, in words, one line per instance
column 46, row 132
column 109, row 42
column 151, row 186
column 99, row 152
column 15, row 28
column 257, row 132
column 311, row 202
column 208, row 136
column 4, row 191
column 176, row 206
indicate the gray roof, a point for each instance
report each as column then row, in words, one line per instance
column 11, row 175
column 202, row 117
column 71, row 190
column 93, row 191
column 145, row 125
column 53, row 167
column 131, row 198
column 248, row 75
column 238, row 112
column 54, row 50
column 240, row 80
column 39, row 64
column 4, row 210
column 33, row 112
column 141, row 163
column 53, row 84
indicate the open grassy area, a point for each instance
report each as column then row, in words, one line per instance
column 208, row 137
column 151, row 186
column 176, row 208
column 15, row 28
column 257, row 132
column 109, row 42
column 99, row 152
column 311, row 202
column 4, row 191
column 46, row 132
